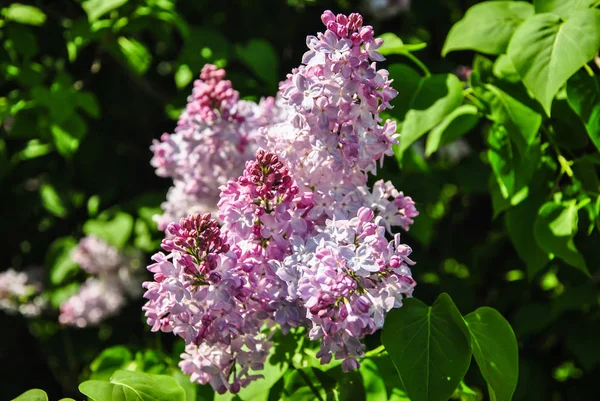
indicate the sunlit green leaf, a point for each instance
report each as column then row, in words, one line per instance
column 487, row 27
column 59, row 262
column 495, row 350
column 504, row 69
column 97, row 8
column 554, row 229
column 546, row 50
column 133, row 386
column 52, row 201
column 109, row 361
column 68, row 135
column 34, row 149
column 436, row 97
column 32, row 395
column 430, row 347
column 521, row 122
column 183, row 76
column 137, row 56
column 114, row 228
column 24, row 14
column 562, row 8
column 456, row 124
column 512, row 171
column 392, row 44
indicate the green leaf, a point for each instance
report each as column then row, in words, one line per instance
column 24, row 14
column 392, row 44
column 97, row 8
column 373, row 383
column 406, row 81
column 52, row 201
column 569, row 131
column 58, row 260
column 519, row 224
column 521, row 122
column 88, row 102
column 546, row 50
column 258, row 390
column 512, row 171
column 555, row 228
column 436, row 97
column 125, row 385
column 68, row 135
column 32, row 395
column 380, row 379
column 487, row 27
column 260, row 56
column 110, row 360
column 496, row 351
column 114, row 228
column 60, row 295
column 24, row 41
column 562, row 8
column 189, row 387
column 459, row 122
column 583, row 95
column 137, row 56
column 34, row 149
column 430, row 347
column 504, row 69
column 183, row 76
column 351, row 387
column 203, row 46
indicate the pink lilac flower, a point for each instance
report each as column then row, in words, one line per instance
column 336, row 135
column 112, row 280
column 19, row 292
column 215, row 135
column 300, row 239
column 96, row 256
column 96, row 301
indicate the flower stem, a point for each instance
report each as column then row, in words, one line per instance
column 419, row 63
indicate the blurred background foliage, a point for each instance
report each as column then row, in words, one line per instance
column 86, row 86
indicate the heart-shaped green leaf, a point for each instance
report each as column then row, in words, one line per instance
column 487, row 27
column 546, row 50
column 430, row 347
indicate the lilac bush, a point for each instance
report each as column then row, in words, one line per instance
column 296, row 237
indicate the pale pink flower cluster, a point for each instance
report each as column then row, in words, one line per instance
column 112, row 280
column 301, row 238
column 19, row 292
column 215, row 135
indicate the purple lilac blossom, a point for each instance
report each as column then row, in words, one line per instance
column 112, row 280
column 301, row 238
column 215, row 135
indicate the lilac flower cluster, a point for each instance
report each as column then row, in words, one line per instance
column 215, row 135
column 19, row 292
column 301, row 238
column 105, row 292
